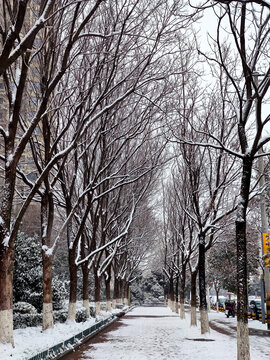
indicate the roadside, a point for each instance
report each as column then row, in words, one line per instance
column 31, row 341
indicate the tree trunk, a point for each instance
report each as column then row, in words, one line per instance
column 115, row 292
column 164, row 290
column 72, row 285
column 85, row 272
column 171, row 296
column 47, row 214
column 47, row 292
column 242, row 295
column 47, row 217
column 129, row 297
column 193, row 317
column 217, row 302
column 108, row 292
column 242, row 304
column 202, row 287
column 121, row 291
column 6, row 276
column 6, row 259
column 176, row 295
column 182, row 293
column 97, row 293
column 126, row 293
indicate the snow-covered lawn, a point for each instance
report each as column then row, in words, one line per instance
column 31, row 341
column 163, row 335
column 147, row 333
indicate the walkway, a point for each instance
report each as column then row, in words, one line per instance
column 156, row 333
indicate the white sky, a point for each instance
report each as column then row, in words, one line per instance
column 207, row 25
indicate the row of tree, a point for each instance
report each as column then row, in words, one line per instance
column 94, row 93
column 218, row 134
column 84, row 82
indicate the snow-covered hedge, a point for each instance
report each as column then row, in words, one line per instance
column 81, row 315
column 24, row 308
column 61, row 315
column 26, row 315
column 26, row 320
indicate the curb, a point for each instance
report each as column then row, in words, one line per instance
column 58, row 351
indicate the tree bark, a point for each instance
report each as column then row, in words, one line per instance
column 6, row 277
column 47, row 292
column 121, row 291
column 176, row 295
column 108, row 291
column 115, row 292
column 85, row 272
column 97, row 293
column 193, row 318
column 72, row 284
column 217, row 302
column 182, row 292
column 171, row 294
column 126, row 293
column 6, row 259
column 242, row 295
column 47, row 215
column 202, row 287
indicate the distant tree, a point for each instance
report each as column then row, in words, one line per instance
column 223, row 256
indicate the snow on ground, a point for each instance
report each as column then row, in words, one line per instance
column 31, row 341
column 147, row 333
column 159, row 334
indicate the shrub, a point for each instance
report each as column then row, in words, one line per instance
column 24, row 308
column 60, row 316
column 25, row 320
column 28, row 275
column 81, row 315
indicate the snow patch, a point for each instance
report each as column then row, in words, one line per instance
column 6, row 241
column 9, row 159
column 48, row 251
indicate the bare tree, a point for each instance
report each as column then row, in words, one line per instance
column 247, row 72
column 16, row 64
column 128, row 65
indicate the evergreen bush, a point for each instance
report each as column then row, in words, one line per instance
column 28, row 275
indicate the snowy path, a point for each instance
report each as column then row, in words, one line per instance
column 153, row 333
column 143, row 334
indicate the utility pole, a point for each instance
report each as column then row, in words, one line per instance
column 264, row 233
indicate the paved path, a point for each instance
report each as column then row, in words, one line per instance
column 142, row 334
column 148, row 333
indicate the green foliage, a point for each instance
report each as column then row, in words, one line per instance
column 24, row 308
column 26, row 320
column 23, row 320
column 28, row 275
column 28, row 271
column 222, row 262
